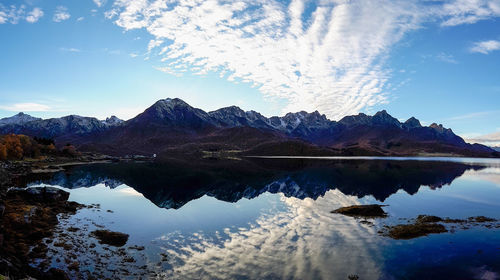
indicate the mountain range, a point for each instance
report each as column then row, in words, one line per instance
column 173, row 127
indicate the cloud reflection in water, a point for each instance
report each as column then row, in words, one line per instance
column 304, row 242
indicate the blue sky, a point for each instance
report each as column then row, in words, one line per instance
column 435, row 60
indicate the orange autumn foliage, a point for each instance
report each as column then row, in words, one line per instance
column 18, row 146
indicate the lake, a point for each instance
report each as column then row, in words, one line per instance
column 270, row 218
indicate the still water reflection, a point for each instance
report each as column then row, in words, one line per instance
column 270, row 218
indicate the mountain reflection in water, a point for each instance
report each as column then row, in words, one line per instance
column 270, row 219
column 173, row 184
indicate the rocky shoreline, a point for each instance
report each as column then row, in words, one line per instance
column 29, row 215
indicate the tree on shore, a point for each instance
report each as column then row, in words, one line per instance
column 18, row 146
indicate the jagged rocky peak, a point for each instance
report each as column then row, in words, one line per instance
column 299, row 115
column 231, row 110
column 315, row 119
column 383, row 118
column 176, row 101
column 113, row 120
column 72, row 117
column 169, row 103
column 229, row 116
column 359, row 119
column 76, row 121
column 412, row 123
column 19, row 118
column 169, row 106
column 175, row 112
column 440, row 128
column 22, row 115
column 253, row 115
column 292, row 120
column 276, row 122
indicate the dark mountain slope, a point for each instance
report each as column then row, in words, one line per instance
column 173, row 126
column 20, row 118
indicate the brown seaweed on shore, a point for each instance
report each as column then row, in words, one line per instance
column 29, row 215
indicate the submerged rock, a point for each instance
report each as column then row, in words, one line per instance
column 481, row 219
column 414, row 230
column 369, row 211
column 112, row 238
column 425, row 224
column 428, row 219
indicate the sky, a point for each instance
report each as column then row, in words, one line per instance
column 435, row 60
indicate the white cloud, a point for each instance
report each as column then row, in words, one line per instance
column 485, row 47
column 133, row 55
column 3, row 17
column 458, row 12
column 448, row 58
column 491, row 139
column 291, row 244
column 11, row 14
column 80, row 18
column 70, row 50
column 61, row 14
column 34, row 15
column 474, row 115
column 26, row 107
column 99, row 3
column 153, row 44
column 330, row 57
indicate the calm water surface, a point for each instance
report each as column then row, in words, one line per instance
column 270, row 219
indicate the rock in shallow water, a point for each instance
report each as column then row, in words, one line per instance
column 414, row 230
column 40, row 194
column 112, row 238
column 425, row 224
column 367, row 211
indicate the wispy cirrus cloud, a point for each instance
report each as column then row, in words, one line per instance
column 75, row 50
column 26, row 107
column 458, row 12
column 326, row 62
column 317, row 55
column 474, row 115
column 485, row 47
column 61, row 14
column 448, row 58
